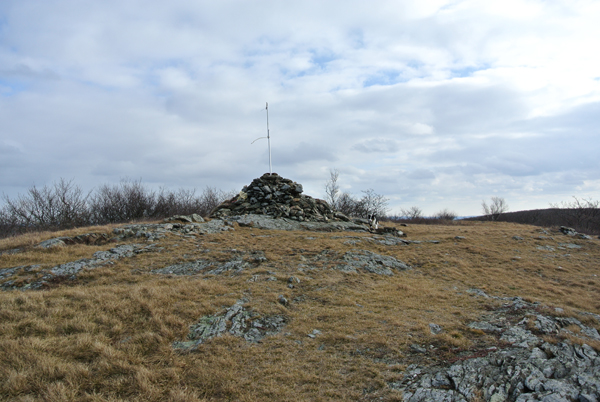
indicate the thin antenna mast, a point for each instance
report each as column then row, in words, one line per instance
column 268, row 137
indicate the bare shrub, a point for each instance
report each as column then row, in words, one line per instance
column 332, row 189
column 211, row 198
column 445, row 215
column 347, row 204
column 373, row 203
column 496, row 208
column 369, row 203
column 126, row 201
column 581, row 214
column 412, row 213
column 61, row 206
column 64, row 205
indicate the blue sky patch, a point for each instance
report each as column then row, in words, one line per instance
column 466, row 71
column 386, row 77
column 10, row 88
column 321, row 58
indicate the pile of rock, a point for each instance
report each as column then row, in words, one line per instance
column 278, row 197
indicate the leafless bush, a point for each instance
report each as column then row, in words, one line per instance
column 373, row 203
column 411, row 213
column 369, row 203
column 496, row 208
column 347, row 204
column 211, row 198
column 581, row 214
column 123, row 202
column 63, row 205
column 181, row 202
column 445, row 215
column 332, row 189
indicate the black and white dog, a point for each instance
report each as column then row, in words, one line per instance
column 373, row 222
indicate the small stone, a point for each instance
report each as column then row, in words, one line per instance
column 416, row 348
column 51, row 243
column 282, row 300
column 435, row 329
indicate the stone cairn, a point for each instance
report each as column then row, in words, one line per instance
column 278, row 197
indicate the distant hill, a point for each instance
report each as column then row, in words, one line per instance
column 584, row 220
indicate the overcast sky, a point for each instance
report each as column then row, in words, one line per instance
column 433, row 103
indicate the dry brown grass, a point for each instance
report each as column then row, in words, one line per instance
column 107, row 335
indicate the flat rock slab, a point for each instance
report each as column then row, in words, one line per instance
column 88, row 238
column 355, row 261
column 268, row 222
column 71, row 269
column 239, row 262
column 371, row 262
column 235, row 320
column 158, row 231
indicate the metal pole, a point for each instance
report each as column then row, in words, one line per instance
column 269, row 139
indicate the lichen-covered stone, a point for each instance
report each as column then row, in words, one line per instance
column 235, row 320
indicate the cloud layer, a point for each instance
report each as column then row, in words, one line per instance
column 438, row 104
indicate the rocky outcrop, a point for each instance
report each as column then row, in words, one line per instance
column 239, row 262
column 235, row 320
column 272, row 223
column 153, row 231
column 68, row 271
column 185, row 218
column 278, row 197
column 524, row 367
column 355, row 261
column 572, row 232
column 88, row 238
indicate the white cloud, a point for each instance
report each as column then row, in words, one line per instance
column 440, row 102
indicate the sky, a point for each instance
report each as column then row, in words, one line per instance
column 431, row 103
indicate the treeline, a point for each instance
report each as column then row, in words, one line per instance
column 65, row 205
column 583, row 215
column 414, row 215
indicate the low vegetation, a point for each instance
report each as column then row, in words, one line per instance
column 108, row 334
column 369, row 203
column 65, row 205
